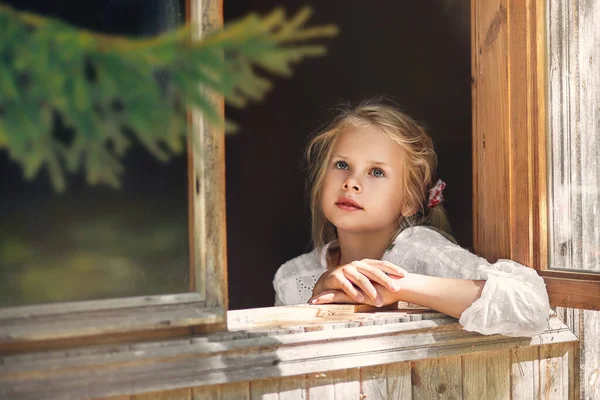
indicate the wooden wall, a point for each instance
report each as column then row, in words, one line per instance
column 535, row 372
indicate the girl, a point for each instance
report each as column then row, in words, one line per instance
column 378, row 229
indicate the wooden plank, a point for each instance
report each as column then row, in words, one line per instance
column 320, row 385
column 398, row 381
column 490, row 84
column 346, row 384
column 573, row 293
column 191, row 363
column 104, row 326
column 374, row 382
column 176, row 394
column 235, row 391
column 519, row 126
column 559, row 371
column 509, row 130
column 208, row 179
column 590, row 355
column 486, row 375
column 525, row 373
column 293, row 388
column 438, row 378
column 55, row 310
column 211, row 392
column 264, row 389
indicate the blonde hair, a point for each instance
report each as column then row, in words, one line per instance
column 419, row 163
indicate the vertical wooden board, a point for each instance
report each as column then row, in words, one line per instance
column 491, row 147
column 176, row 394
column 590, row 355
column 236, row 391
column 346, row 384
column 437, row 378
column 558, row 372
column 292, row 388
column 207, row 181
column 525, row 373
column 264, row 389
column 211, row 392
column 486, row 375
column 520, row 127
column 374, row 382
column 320, row 386
column 398, row 381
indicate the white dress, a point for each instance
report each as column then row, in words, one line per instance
column 514, row 300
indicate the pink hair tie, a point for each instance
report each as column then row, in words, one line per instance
column 435, row 194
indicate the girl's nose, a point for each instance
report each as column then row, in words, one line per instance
column 352, row 186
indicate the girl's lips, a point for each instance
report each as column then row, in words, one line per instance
column 347, row 204
column 347, row 207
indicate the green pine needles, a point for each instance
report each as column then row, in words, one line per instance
column 111, row 90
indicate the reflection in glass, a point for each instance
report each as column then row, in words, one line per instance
column 574, row 129
column 97, row 242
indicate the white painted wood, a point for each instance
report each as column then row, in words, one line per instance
column 320, row 385
column 574, row 77
column 374, row 382
column 264, row 389
column 346, row 384
column 525, row 373
column 556, row 372
column 590, row 355
column 293, row 388
column 574, row 123
column 398, row 381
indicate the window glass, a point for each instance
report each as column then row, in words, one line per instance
column 94, row 242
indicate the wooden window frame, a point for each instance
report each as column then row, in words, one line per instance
column 203, row 309
column 510, row 184
column 250, row 350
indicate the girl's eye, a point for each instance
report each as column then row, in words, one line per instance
column 341, row 165
column 377, row 173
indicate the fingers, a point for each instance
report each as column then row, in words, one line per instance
column 387, row 267
column 363, row 283
column 376, row 275
column 347, row 287
column 382, row 272
column 331, row 296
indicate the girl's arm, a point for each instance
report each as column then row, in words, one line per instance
column 513, row 300
column 446, row 295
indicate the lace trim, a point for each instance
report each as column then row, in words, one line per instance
column 305, row 285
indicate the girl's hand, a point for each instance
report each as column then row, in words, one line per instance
column 339, row 296
column 357, row 280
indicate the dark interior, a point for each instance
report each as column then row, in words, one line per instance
column 95, row 242
column 418, row 53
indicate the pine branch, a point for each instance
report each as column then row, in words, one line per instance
column 111, row 90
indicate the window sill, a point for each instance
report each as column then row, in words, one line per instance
column 65, row 325
column 261, row 343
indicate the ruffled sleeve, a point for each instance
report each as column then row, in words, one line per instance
column 514, row 300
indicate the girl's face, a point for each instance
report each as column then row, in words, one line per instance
column 363, row 190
